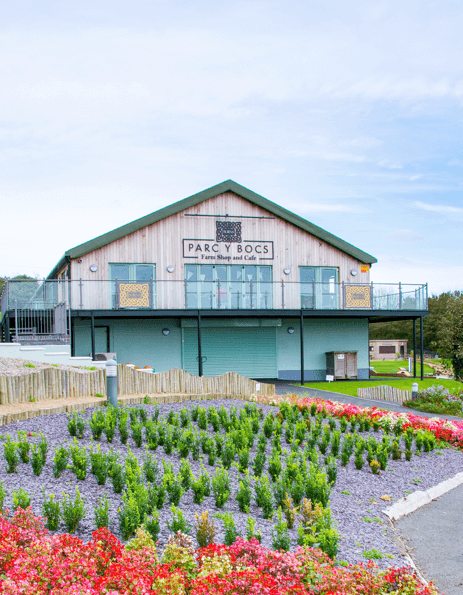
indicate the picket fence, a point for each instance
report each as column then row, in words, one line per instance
column 384, row 393
column 56, row 383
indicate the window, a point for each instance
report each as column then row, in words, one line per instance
column 319, row 287
column 386, row 349
column 138, row 275
column 228, row 286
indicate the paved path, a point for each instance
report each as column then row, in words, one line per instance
column 433, row 533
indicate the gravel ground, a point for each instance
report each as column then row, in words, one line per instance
column 354, row 512
column 10, row 366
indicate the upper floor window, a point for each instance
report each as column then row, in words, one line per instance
column 228, row 286
column 319, row 287
column 133, row 285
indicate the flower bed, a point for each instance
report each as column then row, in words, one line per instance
column 438, row 399
column 33, row 562
column 447, row 431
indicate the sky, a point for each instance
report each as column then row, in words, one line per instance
column 346, row 113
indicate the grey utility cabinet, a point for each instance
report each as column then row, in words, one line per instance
column 341, row 364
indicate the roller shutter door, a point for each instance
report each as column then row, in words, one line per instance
column 251, row 352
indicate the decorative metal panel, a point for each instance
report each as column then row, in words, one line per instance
column 228, row 231
column 134, row 295
column 357, row 296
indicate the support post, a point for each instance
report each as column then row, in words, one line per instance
column 421, row 348
column 111, row 382
column 414, row 348
column 302, row 348
column 92, row 325
column 200, row 356
column 7, row 328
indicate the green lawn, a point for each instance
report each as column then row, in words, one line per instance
column 350, row 387
column 392, row 366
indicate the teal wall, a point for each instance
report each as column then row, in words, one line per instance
column 142, row 343
column 139, row 342
column 320, row 335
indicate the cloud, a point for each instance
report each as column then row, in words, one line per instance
column 436, row 208
column 405, row 235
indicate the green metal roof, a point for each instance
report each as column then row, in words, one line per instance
column 191, row 201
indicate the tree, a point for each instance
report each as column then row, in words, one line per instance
column 451, row 334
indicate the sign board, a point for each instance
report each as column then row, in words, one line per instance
column 340, row 355
column 134, row 295
column 357, row 296
column 330, row 378
column 364, row 268
column 210, row 250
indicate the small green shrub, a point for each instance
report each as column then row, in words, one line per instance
column 129, row 516
column 2, row 496
column 243, row 495
column 179, row 522
column 23, row 447
column 37, row 460
column 251, row 530
column 10, row 452
column 72, row 512
column 51, row 511
column 21, row 499
column 280, row 535
column 221, row 487
column 152, row 525
column 230, row 528
column 102, row 512
column 97, row 424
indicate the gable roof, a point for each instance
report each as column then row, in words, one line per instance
column 195, row 199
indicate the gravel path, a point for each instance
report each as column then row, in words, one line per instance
column 356, row 501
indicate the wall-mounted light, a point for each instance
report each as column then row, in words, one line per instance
column 165, row 331
column 290, row 330
column 286, row 271
column 93, row 268
column 170, row 268
column 353, row 272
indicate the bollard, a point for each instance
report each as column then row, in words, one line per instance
column 111, row 382
column 414, row 391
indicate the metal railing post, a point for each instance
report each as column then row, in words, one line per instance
column 81, row 290
column 250, row 289
column 185, row 288
column 400, row 296
column 282, row 294
column 16, row 318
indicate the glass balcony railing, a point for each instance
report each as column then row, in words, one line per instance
column 211, row 295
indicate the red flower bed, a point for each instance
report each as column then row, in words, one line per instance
column 445, row 430
column 32, row 562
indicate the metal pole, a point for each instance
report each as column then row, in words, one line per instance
column 422, row 347
column 250, row 289
column 111, row 382
column 92, row 321
column 200, row 356
column 400, row 296
column 302, row 348
column 16, row 319
column 80, row 289
column 282, row 294
column 414, row 348
column 7, row 327
column 186, row 301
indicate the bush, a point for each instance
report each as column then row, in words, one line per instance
column 60, row 461
column 152, row 525
column 204, row 529
column 243, row 495
column 37, row 460
column 51, row 511
column 21, row 499
column 102, row 512
column 229, row 524
column 10, row 452
column 280, row 536
column 221, row 487
column 72, row 512
column 2, row 496
column 129, row 516
column 23, row 447
column 99, row 465
column 79, row 460
column 179, row 522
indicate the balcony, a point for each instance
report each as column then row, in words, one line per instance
column 121, row 295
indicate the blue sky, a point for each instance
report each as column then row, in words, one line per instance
column 347, row 113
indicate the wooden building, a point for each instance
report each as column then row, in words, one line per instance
column 224, row 280
column 388, row 349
